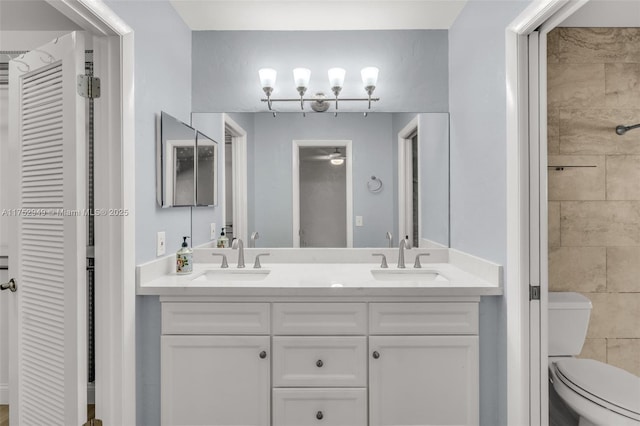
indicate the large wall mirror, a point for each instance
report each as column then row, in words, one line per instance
column 186, row 165
column 325, row 181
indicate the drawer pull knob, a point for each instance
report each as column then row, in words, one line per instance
column 376, row 354
column 263, row 354
column 319, row 415
column 319, row 363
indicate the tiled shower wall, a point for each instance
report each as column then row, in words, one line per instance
column 594, row 209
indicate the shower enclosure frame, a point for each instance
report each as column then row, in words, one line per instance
column 527, row 263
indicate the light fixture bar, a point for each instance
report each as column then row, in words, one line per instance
column 301, row 78
column 324, row 100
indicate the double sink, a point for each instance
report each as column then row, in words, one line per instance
column 416, row 276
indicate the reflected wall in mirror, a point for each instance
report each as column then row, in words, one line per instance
column 186, row 165
column 207, row 167
column 375, row 143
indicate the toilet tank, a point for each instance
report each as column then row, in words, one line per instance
column 568, row 323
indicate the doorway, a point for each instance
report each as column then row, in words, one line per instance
column 235, row 179
column 322, row 194
column 113, row 48
column 409, row 184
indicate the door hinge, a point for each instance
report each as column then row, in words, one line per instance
column 88, row 86
column 534, row 292
column 93, row 422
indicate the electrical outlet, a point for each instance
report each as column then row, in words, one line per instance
column 161, row 244
column 359, row 221
column 213, row 232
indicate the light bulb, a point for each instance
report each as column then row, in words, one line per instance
column 369, row 76
column 301, row 77
column 337, row 161
column 267, row 77
column 336, row 77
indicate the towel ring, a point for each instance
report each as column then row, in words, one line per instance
column 374, row 185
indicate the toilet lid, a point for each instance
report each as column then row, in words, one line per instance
column 602, row 382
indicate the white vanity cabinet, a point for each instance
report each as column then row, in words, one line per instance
column 423, row 364
column 209, row 378
column 322, row 363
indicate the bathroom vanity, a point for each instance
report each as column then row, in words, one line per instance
column 322, row 343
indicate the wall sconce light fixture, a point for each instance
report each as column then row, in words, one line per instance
column 301, row 78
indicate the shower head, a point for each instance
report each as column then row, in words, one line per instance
column 621, row 129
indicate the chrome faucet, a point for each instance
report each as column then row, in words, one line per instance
column 404, row 244
column 389, row 237
column 237, row 244
column 224, row 259
column 254, row 237
column 256, row 264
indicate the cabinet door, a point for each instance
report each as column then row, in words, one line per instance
column 215, row 380
column 423, row 380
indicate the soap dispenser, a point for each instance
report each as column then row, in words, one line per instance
column 223, row 241
column 184, row 258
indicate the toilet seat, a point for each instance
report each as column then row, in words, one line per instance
column 603, row 384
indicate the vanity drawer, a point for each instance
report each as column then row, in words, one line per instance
column 313, row 407
column 423, row 318
column 215, row 318
column 319, row 318
column 319, row 361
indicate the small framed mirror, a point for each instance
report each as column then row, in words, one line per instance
column 186, row 165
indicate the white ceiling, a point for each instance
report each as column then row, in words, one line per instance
column 318, row 15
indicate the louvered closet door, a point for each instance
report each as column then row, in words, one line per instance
column 48, row 377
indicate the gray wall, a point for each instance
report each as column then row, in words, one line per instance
column 477, row 96
column 162, row 82
column 372, row 145
column 434, row 176
column 413, row 67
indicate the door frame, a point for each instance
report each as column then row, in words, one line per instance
column 527, row 396
column 295, row 178
column 405, row 225
column 115, row 293
column 239, row 170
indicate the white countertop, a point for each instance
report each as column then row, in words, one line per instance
column 304, row 279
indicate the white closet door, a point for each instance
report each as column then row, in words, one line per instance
column 48, row 354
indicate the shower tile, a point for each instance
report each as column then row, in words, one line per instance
column 600, row 223
column 592, row 131
column 623, row 269
column 553, row 46
column 623, row 177
column 576, row 85
column 624, row 353
column 554, row 223
column 582, row 269
column 594, row 349
column 614, row 315
column 622, row 85
column 592, row 45
column 576, row 183
column 553, row 131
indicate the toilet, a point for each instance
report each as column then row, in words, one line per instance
column 600, row 394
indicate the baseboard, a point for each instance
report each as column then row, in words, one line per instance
column 4, row 393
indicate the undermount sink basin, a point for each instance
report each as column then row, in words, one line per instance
column 233, row 275
column 416, row 275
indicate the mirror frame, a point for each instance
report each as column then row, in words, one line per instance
column 166, row 177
